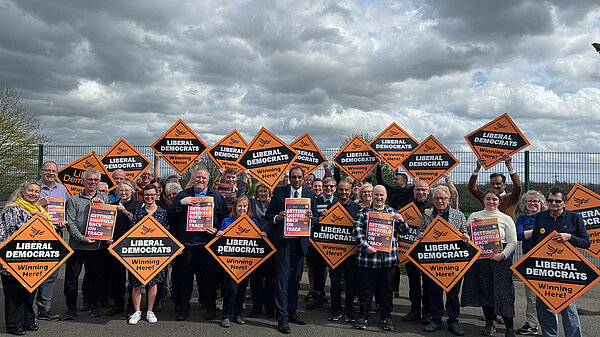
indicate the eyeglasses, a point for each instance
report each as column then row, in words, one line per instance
column 551, row 201
column 92, row 179
column 329, row 186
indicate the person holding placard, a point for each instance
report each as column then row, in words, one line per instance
column 88, row 251
column 531, row 202
column 441, row 201
column 151, row 194
column 18, row 301
column 488, row 283
column 375, row 267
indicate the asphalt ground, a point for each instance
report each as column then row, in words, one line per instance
column 317, row 322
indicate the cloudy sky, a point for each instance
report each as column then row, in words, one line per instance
column 97, row 70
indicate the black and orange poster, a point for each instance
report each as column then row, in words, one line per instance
column 332, row 236
column 297, row 222
column 380, row 229
column 267, row 158
column 101, row 221
column 34, row 252
column 393, row 144
column 309, row 157
column 180, row 146
column 412, row 216
column 356, row 158
column 124, row 156
column 241, row 248
column 497, row 138
column 71, row 175
column 226, row 152
column 56, row 210
column 486, row 235
column 442, row 254
column 587, row 203
column 429, row 161
column 146, row 249
column 556, row 272
column 200, row 214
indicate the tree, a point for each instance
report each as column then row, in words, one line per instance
column 20, row 132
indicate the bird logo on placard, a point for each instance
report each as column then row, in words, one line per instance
column 121, row 150
column 428, row 148
column 355, row 146
column 551, row 251
column 146, row 230
column 36, row 232
column 263, row 142
column 409, row 217
column 179, row 132
column 392, row 133
column 87, row 164
column 580, row 201
column 335, row 217
column 303, row 144
column 233, row 141
column 439, row 234
column 499, row 126
column 241, row 230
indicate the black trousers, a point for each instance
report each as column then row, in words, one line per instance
column 195, row 260
column 347, row 270
column 379, row 281
column 18, row 304
column 233, row 300
column 118, row 279
column 262, row 283
column 436, row 302
column 418, row 289
column 317, row 264
column 93, row 260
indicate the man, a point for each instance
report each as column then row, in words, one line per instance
column 231, row 178
column 195, row 258
column 118, row 176
column 508, row 201
column 570, row 228
column 87, row 251
column 145, row 179
column 375, row 268
column 103, row 188
column 290, row 250
column 317, row 187
column 308, row 181
column 399, row 195
column 347, row 267
column 50, row 189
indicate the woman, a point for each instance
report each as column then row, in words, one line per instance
column 441, row 200
column 356, row 185
column 235, row 293
column 162, row 200
column 531, row 202
column 365, row 195
column 171, row 191
column 18, row 301
column 126, row 206
column 488, row 283
column 150, row 193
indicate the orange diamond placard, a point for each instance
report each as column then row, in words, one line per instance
column 34, row 252
column 180, row 146
column 356, row 158
column 587, row 203
column 442, row 254
column 429, row 161
column 124, row 156
column 226, row 152
column 71, row 175
column 332, row 236
column 393, row 144
column 241, row 248
column 309, row 156
column 146, row 249
column 497, row 138
column 267, row 158
column 556, row 272
column 412, row 216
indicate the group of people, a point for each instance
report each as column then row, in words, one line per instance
column 274, row 285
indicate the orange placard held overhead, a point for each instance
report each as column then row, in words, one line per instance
column 309, row 156
column 497, row 138
column 34, row 252
column 356, row 158
column 146, row 249
column 124, row 156
column 556, row 272
column 429, row 161
column 71, row 175
column 412, row 216
column 332, row 236
column 225, row 153
column 442, row 254
column 393, row 144
column 587, row 203
column 267, row 158
column 180, row 146
column 241, row 248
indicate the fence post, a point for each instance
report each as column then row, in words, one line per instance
column 526, row 171
column 40, row 158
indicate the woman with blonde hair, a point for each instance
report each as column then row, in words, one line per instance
column 365, row 195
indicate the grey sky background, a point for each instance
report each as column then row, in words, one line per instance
column 98, row 70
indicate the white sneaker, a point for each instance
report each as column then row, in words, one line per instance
column 151, row 317
column 135, row 318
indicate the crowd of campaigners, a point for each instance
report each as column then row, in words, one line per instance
column 274, row 285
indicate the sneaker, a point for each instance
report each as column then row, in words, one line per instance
column 48, row 316
column 95, row 311
column 220, row 303
column 239, row 320
column 411, row 316
column 361, row 323
column 489, row 329
column 432, row 327
column 349, row 317
column 388, row 325
column 135, row 318
column 456, row 329
column 527, row 330
column 151, row 317
column 71, row 314
column 335, row 316
column 225, row 323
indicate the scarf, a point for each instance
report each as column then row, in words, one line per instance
column 29, row 207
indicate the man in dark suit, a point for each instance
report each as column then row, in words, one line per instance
column 290, row 251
